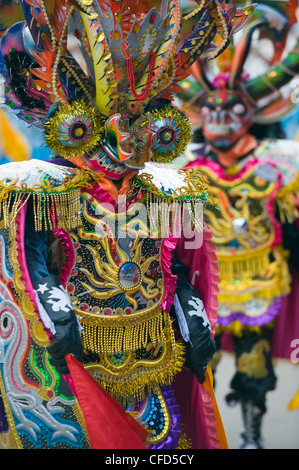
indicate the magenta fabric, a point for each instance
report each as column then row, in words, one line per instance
column 168, row 245
column 204, row 273
column 191, row 409
column 20, row 225
column 21, row 257
column 287, row 322
column 198, row 416
column 108, row 425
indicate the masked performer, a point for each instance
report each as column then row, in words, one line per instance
column 254, row 183
column 91, row 244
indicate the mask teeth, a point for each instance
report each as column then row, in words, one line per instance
column 110, row 165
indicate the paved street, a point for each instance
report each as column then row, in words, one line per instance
column 280, row 426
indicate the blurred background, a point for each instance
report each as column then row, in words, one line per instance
column 280, row 427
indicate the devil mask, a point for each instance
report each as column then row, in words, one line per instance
column 226, row 116
column 99, row 77
column 225, row 104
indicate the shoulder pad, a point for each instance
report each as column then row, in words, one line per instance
column 33, row 173
column 284, row 154
column 183, row 185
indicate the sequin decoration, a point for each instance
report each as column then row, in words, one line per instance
column 172, row 133
column 158, row 413
column 39, row 406
column 74, row 130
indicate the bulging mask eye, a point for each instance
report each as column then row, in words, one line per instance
column 74, row 129
column 172, row 132
column 112, row 140
column 205, row 111
column 239, row 109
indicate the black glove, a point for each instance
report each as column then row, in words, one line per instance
column 59, row 309
column 193, row 322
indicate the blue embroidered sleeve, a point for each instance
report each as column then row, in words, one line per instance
column 36, row 248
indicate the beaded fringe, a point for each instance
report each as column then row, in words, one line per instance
column 109, row 335
column 127, row 388
column 63, row 208
column 237, row 265
column 183, row 207
column 153, row 329
column 169, row 217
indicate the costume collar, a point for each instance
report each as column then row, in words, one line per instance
column 106, row 183
column 109, row 186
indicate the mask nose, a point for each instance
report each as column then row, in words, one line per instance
column 219, row 116
column 129, row 145
column 142, row 138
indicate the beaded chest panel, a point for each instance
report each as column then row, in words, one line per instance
column 116, row 272
column 242, row 220
column 246, row 234
column 117, row 286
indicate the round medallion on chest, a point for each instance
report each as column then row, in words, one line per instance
column 240, row 226
column 129, row 275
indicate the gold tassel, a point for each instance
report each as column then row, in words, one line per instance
column 169, row 216
column 109, row 335
column 126, row 387
column 239, row 265
column 64, row 207
column 60, row 204
column 129, row 381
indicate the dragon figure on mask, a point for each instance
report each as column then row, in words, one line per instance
column 100, row 310
column 252, row 172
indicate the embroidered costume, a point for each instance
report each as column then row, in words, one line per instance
column 94, row 261
column 254, row 183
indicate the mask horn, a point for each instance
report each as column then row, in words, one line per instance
column 198, row 72
column 240, row 54
column 77, row 5
column 277, row 76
